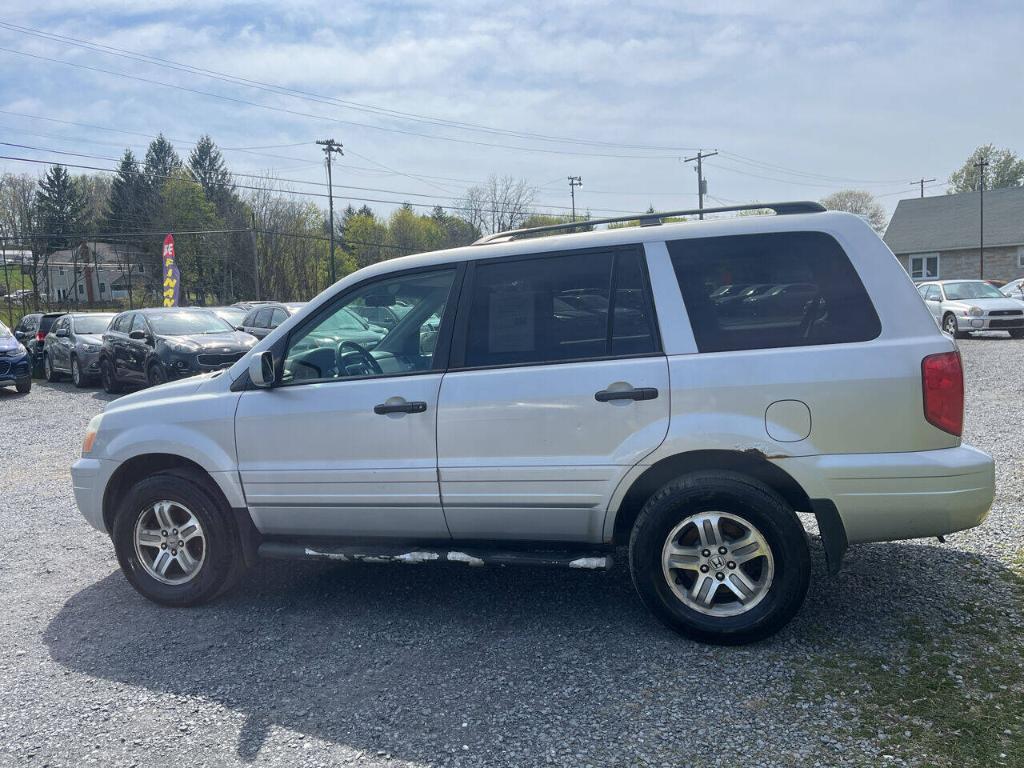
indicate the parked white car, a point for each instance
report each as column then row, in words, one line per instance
column 1014, row 289
column 581, row 391
column 963, row 306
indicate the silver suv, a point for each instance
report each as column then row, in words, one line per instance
column 578, row 392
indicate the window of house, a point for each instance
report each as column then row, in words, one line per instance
column 81, row 288
column 60, row 270
column 102, row 287
column 924, row 266
column 781, row 289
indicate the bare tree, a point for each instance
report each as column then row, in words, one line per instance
column 858, row 202
column 501, row 203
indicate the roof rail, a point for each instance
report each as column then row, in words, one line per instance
column 653, row 219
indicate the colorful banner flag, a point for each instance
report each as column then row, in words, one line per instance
column 172, row 277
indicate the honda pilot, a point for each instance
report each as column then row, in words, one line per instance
column 544, row 400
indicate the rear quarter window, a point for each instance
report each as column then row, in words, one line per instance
column 783, row 289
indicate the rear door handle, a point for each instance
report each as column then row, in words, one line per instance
column 642, row 393
column 416, row 406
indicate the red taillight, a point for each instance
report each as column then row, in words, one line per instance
column 41, row 336
column 942, row 382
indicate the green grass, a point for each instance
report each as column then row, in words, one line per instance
column 953, row 697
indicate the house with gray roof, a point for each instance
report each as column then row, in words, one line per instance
column 937, row 238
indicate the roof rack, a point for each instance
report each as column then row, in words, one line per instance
column 654, row 219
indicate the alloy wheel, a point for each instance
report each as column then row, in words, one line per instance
column 950, row 325
column 76, row 374
column 170, row 542
column 718, row 563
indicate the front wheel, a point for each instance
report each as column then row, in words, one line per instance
column 175, row 542
column 24, row 386
column 156, row 375
column 77, row 377
column 720, row 558
column 950, row 326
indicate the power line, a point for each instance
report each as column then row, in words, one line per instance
column 922, row 181
column 297, row 113
column 319, row 98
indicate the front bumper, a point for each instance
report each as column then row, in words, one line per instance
column 989, row 323
column 181, row 366
column 89, row 478
column 89, row 362
column 891, row 496
column 15, row 369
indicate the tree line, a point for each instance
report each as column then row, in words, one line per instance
column 233, row 241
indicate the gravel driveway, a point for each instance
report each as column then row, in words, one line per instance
column 314, row 664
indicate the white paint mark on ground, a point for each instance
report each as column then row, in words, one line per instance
column 589, row 562
column 328, row 555
column 462, row 557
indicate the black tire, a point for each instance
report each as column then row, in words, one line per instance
column 110, row 383
column 952, row 326
column 744, row 498
column 80, row 380
column 223, row 564
column 156, row 375
column 1017, row 333
column 49, row 373
column 24, row 386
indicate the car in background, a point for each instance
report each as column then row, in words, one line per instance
column 349, row 328
column 263, row 318
column 72, row 347
column 150, row 346
column 1014, row 289
column 385, row 317
column 31, row 331
column 247, row 305
column 15, row 363
column 961, row 307
column 233, row 315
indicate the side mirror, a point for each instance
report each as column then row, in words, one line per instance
column 137, row 335
column 261, row 369
column 240, row 328
column 61, row 332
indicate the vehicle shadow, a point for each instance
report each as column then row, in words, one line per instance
column 390, row 657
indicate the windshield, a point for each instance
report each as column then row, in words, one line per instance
column 187, row 323
column 233, row 315
column 91, row 323
column 345, row 320
column 971, row 289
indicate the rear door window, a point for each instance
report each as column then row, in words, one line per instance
column 262, row 319
column 797, row 289
column 278, row 317
column 558, row 308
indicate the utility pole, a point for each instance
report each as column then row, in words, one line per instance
column 922, row 182
column 255, row 254
column 574, row 181
column 702, row 185
column 331, row 147
column 982, row 165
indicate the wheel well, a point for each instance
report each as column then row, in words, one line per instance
column 142, row 466
column 752, row 463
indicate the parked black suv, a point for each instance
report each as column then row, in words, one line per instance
column 151, row 346
column 31, row 331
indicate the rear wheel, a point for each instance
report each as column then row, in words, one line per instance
column 110, row 383
column 720, row 558
column 175, row 542
column 156, row 375
column 48, row 370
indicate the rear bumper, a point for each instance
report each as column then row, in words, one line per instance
column 890, row 496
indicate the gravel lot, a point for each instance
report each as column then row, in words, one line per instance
column 312, row 664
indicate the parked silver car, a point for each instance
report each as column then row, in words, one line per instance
column 963, row 306
column 1014, row 289
column 72, row 347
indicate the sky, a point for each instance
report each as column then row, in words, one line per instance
column 429, row 98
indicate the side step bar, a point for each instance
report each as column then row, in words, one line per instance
column 412, row 555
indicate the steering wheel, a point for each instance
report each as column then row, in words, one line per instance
column 360, row 350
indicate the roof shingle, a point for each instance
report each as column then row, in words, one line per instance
column 947, row 222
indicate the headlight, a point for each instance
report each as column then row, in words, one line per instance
column 90, row 433
column 975, row 312
column 183, row 348
column 90, row 347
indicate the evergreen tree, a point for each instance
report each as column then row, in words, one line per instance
column 60, row 208
column 161, row 162
column 208, row 168
column 125, row 208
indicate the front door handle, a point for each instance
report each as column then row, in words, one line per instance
column 416, row 406
column 643, row 393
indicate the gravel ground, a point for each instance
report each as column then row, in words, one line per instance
column 312, row 664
